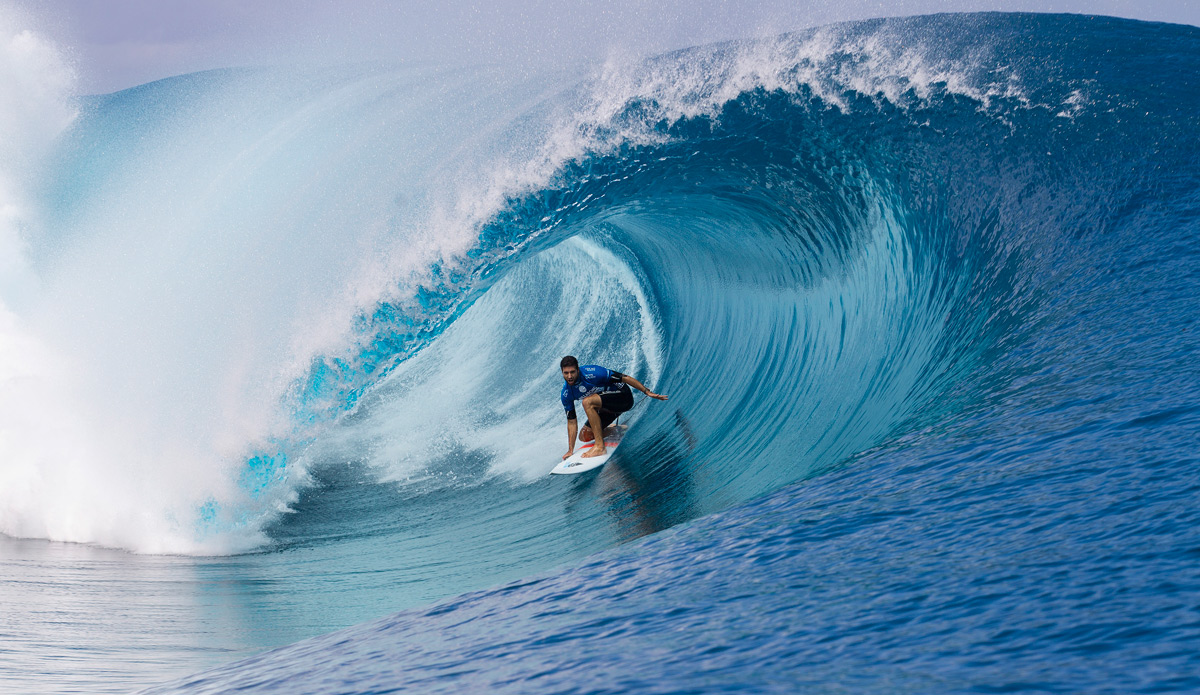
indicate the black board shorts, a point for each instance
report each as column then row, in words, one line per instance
column 614, row 403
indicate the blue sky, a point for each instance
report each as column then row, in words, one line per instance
column 121, row 43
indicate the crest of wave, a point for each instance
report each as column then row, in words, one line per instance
column 882, row 64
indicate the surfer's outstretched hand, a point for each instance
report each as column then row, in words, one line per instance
column 659, row 396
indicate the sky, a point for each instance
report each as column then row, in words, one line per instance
column 116, row 44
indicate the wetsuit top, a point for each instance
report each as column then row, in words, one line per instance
column 592, row 379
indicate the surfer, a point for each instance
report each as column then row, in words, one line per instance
column 605, row 395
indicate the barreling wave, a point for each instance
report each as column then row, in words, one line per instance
column 940, row 272
column 808, row 241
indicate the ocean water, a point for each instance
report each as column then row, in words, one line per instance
column 280, row 346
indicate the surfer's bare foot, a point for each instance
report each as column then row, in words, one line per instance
column 598, row 450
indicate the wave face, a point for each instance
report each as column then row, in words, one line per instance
column 921, row 292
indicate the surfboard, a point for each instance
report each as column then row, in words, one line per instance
column 577, row 464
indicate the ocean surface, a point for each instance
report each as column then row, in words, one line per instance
column 279, row 382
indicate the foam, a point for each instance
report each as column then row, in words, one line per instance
column 63, row 475
column 36, row 82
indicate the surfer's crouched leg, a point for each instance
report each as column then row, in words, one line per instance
column 591, row 406
column 610, row 407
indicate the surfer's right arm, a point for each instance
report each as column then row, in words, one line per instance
column 572, row 430
column 572, row 422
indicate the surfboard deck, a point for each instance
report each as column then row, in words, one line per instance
column 577, row 464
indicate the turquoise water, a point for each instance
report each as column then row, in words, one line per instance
column 922, row 293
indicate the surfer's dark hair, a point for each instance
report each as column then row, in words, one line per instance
column 568, row 361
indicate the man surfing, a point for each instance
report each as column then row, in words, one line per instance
column 605, row 395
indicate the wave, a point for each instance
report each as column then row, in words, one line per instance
column 809, row 241
column 938, row 272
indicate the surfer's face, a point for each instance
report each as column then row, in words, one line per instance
column 571, row 374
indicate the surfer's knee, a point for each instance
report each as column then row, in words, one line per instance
column 592, row 402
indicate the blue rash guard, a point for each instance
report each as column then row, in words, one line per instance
column 592, row 379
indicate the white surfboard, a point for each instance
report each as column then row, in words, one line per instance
column 577, row 464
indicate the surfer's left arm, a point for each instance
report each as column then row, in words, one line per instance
column 638, row 385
